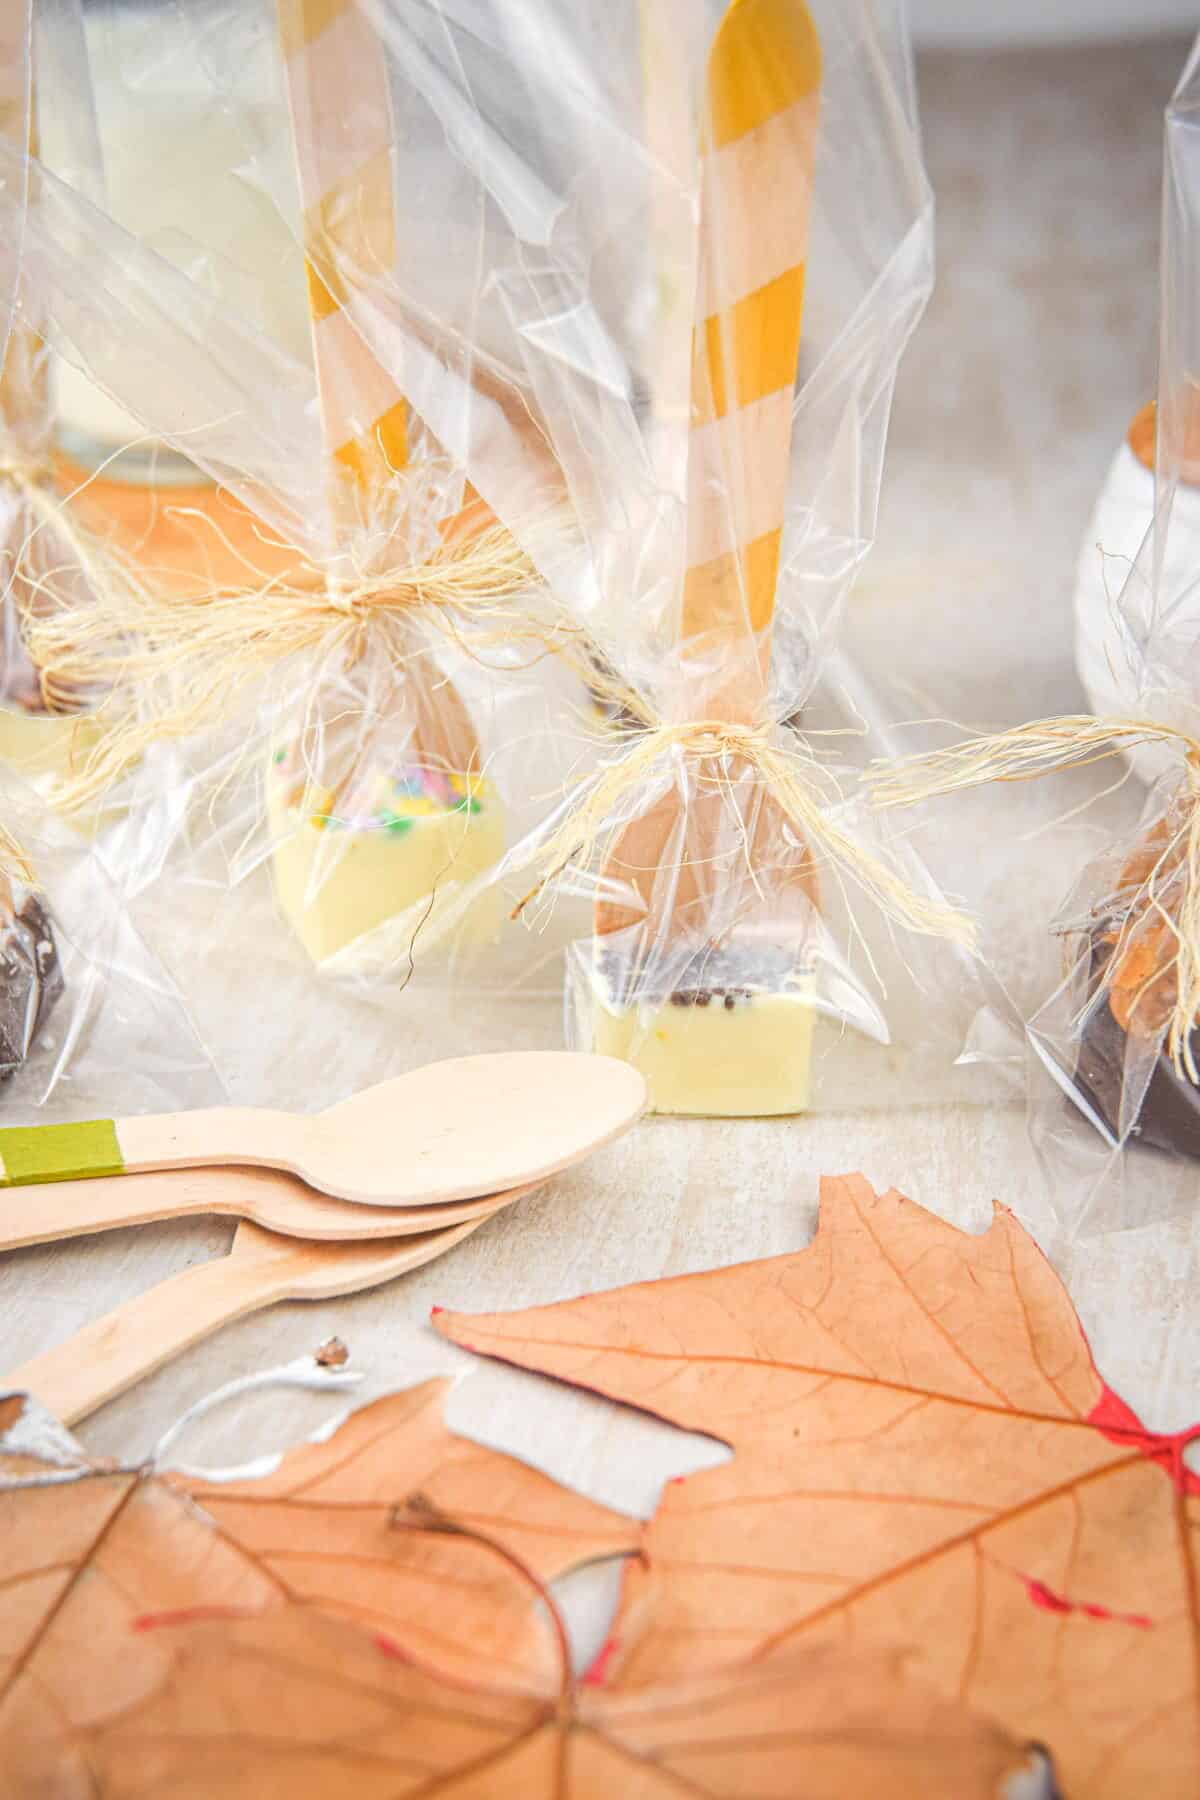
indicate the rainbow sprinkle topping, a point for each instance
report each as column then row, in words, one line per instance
column 399, row 802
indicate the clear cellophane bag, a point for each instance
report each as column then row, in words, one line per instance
column 89, row 1019
column 533, row 301
column 707, row 236
column 329, row 712
column 1116, row 1093
column 1109, row 990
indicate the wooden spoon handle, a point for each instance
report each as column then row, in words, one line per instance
column 335, row 75
column 39, row 1215
column 95, row 1147
column 36, row 1153
column 250, row 1136
column 112, row 1353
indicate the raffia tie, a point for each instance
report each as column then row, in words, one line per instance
column 172, row 662
column 791, row 776
column 1170, row 891
column 36, row 482
column 14, row 860
column 25, row 473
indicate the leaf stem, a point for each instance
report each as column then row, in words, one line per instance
column 419, row 1513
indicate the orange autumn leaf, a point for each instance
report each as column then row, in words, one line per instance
column 95, row 1557
column 289, row 1707
column 925, row 1456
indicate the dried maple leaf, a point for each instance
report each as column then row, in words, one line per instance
column 290, row 1707
column 926, row 1456
column 92, row 1557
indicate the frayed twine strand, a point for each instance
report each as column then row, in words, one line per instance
column 1170, row 891
column 34, row 481
column 793, row 778
column 15, row 865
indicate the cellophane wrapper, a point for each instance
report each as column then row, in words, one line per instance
column 537, row 316
column 351, row 791
column 89, row 1019
column 561, row 148
column 91, row 1022
column 1115, row 1115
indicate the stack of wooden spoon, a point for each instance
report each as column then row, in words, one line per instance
column 327, row 1204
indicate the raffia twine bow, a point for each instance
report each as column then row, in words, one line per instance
column 1169, row 892
column 170, row 662
column 788, row 771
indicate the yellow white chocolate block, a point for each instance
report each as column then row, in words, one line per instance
column 349, row 884
column 727, row 1051
column 43, row 743
column 46, row 747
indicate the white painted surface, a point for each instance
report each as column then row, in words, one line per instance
column 961, row 24
column 1038, row 348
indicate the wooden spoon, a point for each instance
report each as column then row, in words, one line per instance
column 456, row 1130
column 691, row 876
column 111, row 1354
column 278, row 1202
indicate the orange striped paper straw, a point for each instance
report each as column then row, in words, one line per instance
column 758, row 141
column 24, row 367
column 336, row 80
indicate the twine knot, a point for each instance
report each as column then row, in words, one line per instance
column 785, row 768
column 715, row 737
column 344, row 598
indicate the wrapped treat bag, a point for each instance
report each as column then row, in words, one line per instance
column 90, row 1023
column 60, row 547
column 575, row 309
column 661, row 194
column 313, row 713
column 1119, row 1035
column 1137, row 600
column 88, row 1020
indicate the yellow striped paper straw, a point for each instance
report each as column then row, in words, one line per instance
column 336, row 81
column 24, row 366
column 757, row 149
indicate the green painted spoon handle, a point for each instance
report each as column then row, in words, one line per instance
column 32, row 1153
column 250, row 1136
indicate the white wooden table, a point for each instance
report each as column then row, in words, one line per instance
column 1038, row 347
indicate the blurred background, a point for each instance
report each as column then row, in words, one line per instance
column 1038, row 347
column 960, row 22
